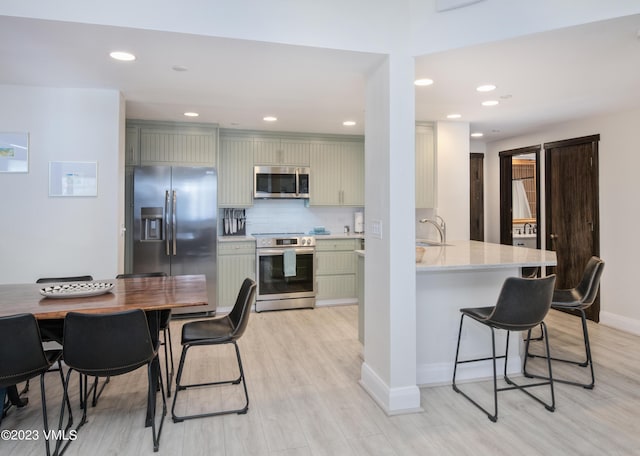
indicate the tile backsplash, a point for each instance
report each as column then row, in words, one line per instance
column 286, row 216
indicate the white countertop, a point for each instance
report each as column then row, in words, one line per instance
column 465, row 255
column 236, row 238
column 317, row 236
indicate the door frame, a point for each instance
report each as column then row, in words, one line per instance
column 506, row 192
column 593, row 313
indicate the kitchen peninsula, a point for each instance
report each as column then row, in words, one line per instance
column 464, row 274
column 448, row 278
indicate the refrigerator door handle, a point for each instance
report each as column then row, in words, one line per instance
column 167, row 233
column 173, row 218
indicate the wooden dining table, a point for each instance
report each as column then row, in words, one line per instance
column 151, row 294
column 148, row 294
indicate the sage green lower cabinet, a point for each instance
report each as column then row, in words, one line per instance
column 336, row 268
column 360, row 289
column 236, row 261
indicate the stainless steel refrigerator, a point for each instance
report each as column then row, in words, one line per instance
column 175, row 210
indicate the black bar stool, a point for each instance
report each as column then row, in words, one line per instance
column 522, row 305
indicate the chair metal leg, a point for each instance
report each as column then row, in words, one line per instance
column 492, row 416
column 180, row 387
column 152, row 400
column 168, row 357
column 513, row 385
column 587, row 362
column 65, row 401
column 84, row 393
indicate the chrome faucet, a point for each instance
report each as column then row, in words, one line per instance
column 524, row 229
column 440, row 226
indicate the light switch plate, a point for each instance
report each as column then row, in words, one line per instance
column 375, row 229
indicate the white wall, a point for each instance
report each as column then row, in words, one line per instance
column 44, row 236
column 619, row 208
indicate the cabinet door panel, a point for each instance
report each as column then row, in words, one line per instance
column 336, row 263
column 336, row 287
column 425, row 167
column 132, row 146
column 235, row 173
column 325, row 185
column 232, row 270
column 267, row 151
column 352, row 174
column 165, row 146
column 295, row 152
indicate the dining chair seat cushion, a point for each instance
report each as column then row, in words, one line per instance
column 566, row 298
column 204, row 332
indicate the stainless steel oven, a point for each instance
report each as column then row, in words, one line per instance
column 285, row 271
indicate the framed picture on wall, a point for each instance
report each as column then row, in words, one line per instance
column 73, row 178
column 14, row 152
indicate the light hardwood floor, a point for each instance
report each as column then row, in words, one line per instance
column 302, row 371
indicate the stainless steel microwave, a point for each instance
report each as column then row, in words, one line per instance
column 280, row 182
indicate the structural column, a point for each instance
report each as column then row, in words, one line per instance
column 389, row 370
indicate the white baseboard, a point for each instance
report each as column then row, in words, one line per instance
column 336, row 302
column 393, row 401
column 438, row 374
column 616, row 321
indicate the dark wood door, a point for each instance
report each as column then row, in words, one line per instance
column 572, row 217
column 476, row 186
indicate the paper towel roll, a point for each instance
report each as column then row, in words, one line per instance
column 358, row 222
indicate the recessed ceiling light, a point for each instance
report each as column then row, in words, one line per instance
column 477, row 135
column 423, row 82
column 269, row 119
column 349, row 123
column 486, row 88
column 490, row 103
column 454, row 116
column 179, row 68
column 191, row 114
column 121, row 55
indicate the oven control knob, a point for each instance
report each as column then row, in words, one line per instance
column 304, row 241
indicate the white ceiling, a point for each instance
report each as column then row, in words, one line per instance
column 542, row 79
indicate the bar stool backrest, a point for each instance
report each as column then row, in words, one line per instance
column 523, row 303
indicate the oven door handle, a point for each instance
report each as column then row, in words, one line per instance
column 271, row 252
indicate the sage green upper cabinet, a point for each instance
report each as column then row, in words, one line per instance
column 178, row 144
column 337, row 173
column 281, row 151
column 425, row 167
column 132, row 146
column 235, row 172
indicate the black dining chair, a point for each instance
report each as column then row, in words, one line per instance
column 222, row 329
column 105, row 345
column 22, row 357
column 164, row 326
column 578, row 299
column 52, row 330
column 523, row 304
